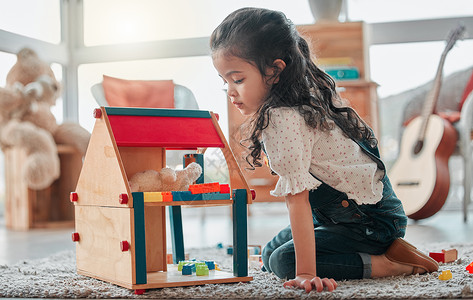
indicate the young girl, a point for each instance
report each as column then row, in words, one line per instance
column 345, row 220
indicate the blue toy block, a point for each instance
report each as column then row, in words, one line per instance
column 185, row 196
column 215, row 196
column 187, row 269
column 210, row 264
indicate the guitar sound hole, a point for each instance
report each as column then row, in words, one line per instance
column 408, row 183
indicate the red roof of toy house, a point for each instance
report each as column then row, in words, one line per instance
column 167, row 128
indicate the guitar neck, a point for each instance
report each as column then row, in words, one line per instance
column 431, row 100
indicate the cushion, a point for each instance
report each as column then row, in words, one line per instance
column 138, row 93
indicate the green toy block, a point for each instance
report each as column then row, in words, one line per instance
column 202, row 270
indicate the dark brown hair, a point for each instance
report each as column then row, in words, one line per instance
column 260, row 36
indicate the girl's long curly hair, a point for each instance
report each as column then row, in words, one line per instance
column 260, row 36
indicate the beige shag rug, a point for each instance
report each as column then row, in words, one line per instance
column 56, row 277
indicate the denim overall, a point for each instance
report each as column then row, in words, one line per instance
column 346, row 233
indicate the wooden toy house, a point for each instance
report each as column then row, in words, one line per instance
column 121, row 236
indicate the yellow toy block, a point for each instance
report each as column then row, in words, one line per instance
column 446, row 275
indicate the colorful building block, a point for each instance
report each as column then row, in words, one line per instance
column 469, row 268
column 446, row 275
column 185, row 196
column 201, row 188
column 210, row 264
column 215, row 196
column 445, row 256
column 437, row 256
column 451, row 255
column 153, row 197
column 225, row 188
column 167, row 196
column 187, row 269
column 202, row 270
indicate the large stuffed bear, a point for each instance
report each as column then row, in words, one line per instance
column 26, row 120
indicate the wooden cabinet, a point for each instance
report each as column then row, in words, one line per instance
column 346, row 43
column 330, row 42
column 50, row 207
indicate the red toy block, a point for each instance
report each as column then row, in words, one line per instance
column 75, row 237
column 123, row 198
column 73, row 197
column 469, row 268
column 439, row 257
column 124, row 246
column 225, row 189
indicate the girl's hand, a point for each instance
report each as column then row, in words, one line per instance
column 308, row 282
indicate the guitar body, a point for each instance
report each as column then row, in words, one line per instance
column 422, row 181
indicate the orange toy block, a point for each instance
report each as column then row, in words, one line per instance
column 167, row 196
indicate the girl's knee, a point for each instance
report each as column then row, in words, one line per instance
column 282, row 264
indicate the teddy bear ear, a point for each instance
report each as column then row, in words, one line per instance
column 33, row 89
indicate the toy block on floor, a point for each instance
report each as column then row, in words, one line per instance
column 469, row 268
column 445, row 256
column 120, row 236
column 450, row 255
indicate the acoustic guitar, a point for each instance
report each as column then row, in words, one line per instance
column 420, row 176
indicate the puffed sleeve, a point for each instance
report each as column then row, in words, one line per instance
column 288, row 143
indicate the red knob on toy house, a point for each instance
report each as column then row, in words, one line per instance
column 125, row 246
column 123, row 198
column 75, row 237
column 253, row 194
column 217, row 117
column 73, row 197
column 97, row 113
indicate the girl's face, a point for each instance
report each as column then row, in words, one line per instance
column 247, row 87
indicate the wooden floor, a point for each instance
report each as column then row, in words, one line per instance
column 206, row 227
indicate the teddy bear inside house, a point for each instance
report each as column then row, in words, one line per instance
column 26, row 119
column 165, row 180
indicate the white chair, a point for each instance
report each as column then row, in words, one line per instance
column 454, row 88
column 464, row 127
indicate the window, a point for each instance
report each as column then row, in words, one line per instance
column 376, row 11
column 39, row 19
column 122, row 21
